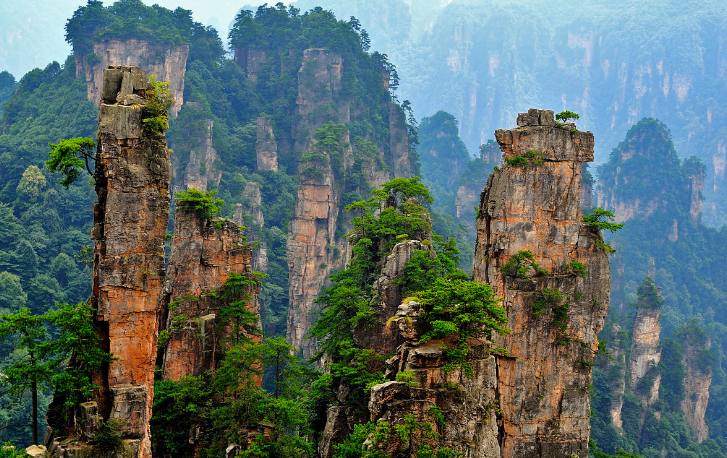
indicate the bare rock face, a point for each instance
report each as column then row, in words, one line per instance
column 202, row 256
column 554, row 316
column 401, row 165
column 170, row 67
column 696, row 391
column 616, row 370
column 266, row 149
column 252, row 201
column 646, row 352
column 202, row 167
column 467, row 197
column 133, row 174
column 310, row 258
column 319, row 87
column 696, row 200
column 250, row 59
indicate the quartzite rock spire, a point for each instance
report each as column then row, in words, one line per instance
column 551, row 270
column 133, row 174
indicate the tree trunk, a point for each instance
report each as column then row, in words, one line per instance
column 34, row 420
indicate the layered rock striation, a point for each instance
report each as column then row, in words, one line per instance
column 696, row 390
column 549, row 267
column 203, row 255
column 167, row 63
column 646, row 353
column 133, row 175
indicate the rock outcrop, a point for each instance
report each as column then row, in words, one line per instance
column 646, row 353
column 696, row 393
column 202, row 256
column 133, row 174
column 468, row 405
column 167, row 63
column 266, row 149
column 315, row 246
column 536, row 252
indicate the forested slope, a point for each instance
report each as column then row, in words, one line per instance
column 614, row 62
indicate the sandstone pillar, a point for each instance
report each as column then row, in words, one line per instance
column 530, row 214
column 133, row 175
column 202, row 256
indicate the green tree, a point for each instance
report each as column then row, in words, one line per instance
column 70, row 157
column 12, row 296
column 602, row 219
column 566, row 116
column 461, row 308
column 78, row 354
column 36, row 367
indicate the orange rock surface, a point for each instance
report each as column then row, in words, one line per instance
column 200, row 261
column 543, row 381
column 130, row 217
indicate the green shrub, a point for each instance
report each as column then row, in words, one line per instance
column 204, row 202
column 155, row 115
column 566, row 116
column 408, row 378
column 550, row 298
column 577, row 268
column 108, row 437
column 520, row 264
column 517, row 161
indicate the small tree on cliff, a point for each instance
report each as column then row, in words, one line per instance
column 70, row 157
column 566, row 116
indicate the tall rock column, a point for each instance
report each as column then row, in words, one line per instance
column 202, row 257
column 535, row 250
column 311, row 231
column 133, row 174
column 645, row 344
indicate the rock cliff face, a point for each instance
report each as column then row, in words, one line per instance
column 314, row 249
column 251, row 60
column 616, row 368
column 646, row 353
column 468, row 404
column 133, row 175
column 202, row 256
column 542, row 384
column 311, row 234
column 202, row 161
column 251, row 206
column 696, row 391
column 399, row 143
column 266, row 149
column 696, row 200
column 168, row 64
